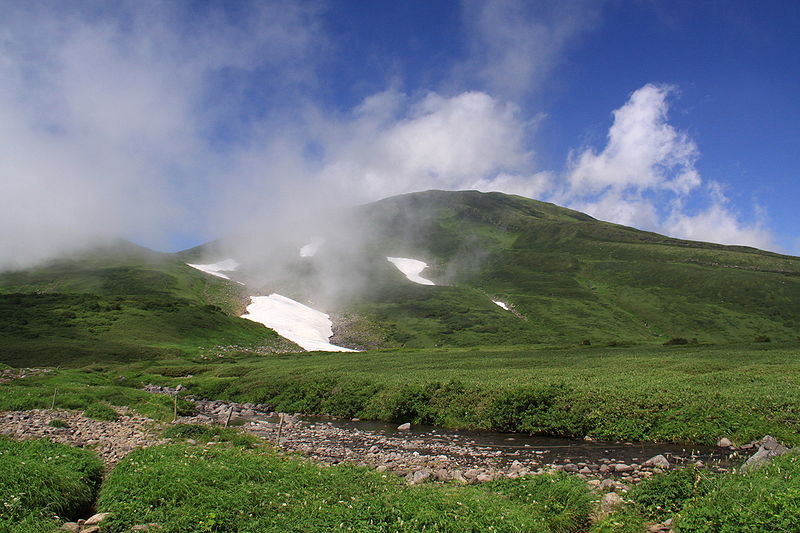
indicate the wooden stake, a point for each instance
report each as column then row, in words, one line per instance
column 280, row 429
column 228, row 420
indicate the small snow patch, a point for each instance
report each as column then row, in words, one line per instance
column 501, row 304
column 217, row 269
column 306, row 327
column 411, row 268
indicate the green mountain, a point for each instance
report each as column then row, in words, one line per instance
column 564, row 277
column 120, row 302
column 568, row 277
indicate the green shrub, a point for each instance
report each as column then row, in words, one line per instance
column 57, row 423
column 767, row 499
column 101, row 411
column 762, row 338
column 676, row 341
column 668, row 493
column 40, row 479
column 537, row 410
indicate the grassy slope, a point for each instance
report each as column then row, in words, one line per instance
column 118, row 303
column 572, row 276
column 40, row 479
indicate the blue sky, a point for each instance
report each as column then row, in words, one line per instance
column 173, row 123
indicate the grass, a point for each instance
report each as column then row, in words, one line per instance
column 690, row 393
column 767, row 499
column 40, row 480
column 217, row 488
column 120, row 303
column 204, row 434
column 675, row 393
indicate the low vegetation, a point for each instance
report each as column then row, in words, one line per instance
column 766, row 499
column 222, row 488
column 40, row 481
column 691, row 393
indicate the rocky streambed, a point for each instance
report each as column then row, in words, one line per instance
column 420, row 453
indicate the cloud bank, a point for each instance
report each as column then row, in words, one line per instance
column 145, row 118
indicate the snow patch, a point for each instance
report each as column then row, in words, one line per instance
column 501, row 304
column 306, row 327
column 411, row 268
column 216, row 269
column 310, row 249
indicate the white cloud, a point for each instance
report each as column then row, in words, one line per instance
column 392, row 144
column 643, row 152
column 104, row 121
column 646, row 175
column 516, row 43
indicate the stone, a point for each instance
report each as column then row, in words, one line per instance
column 484, row 477
column 762, row 457
column 459, row 477
column 73, row 527
column 516, row 466
column 621, row 467
column 417, row 477
column 724, row 442
column 659, row 461
column 570, row 467
column 610, row 501
column 441, row 475
column 96, row 519
column 91, row 529
column 608, row 484
column 585, row 470
column 404, row 427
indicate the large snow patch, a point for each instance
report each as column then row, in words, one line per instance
column 217, row 269
column 306, row 327
column 411, row 268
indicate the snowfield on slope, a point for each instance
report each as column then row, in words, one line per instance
column 217, row 269
column 501, row 304
column 411, row 268
column 306, row 327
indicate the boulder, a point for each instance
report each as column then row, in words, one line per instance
column 418, row 476
column 659, row 461
column 404, row 427
column 762, row 457
column 724, row 442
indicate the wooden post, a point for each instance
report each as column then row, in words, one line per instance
column 230, row 414
column 280, row 429
column 53, row 403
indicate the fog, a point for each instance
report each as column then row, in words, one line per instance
column 173, row 126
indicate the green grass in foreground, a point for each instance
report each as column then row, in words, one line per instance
column 767, row 499
column 193, row 488
column 40, row 479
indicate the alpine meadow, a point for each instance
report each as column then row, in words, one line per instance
column 465, row 266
